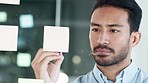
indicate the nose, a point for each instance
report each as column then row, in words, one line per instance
column 103, row 38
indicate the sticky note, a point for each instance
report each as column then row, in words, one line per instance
column 25, row 80
column 15, row 2
column 8, row 38
column 56, row 39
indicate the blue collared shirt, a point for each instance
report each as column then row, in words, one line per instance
column 131, row 74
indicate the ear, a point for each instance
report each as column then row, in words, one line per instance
column 135, row 38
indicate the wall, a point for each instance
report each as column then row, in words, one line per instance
column 140, row 52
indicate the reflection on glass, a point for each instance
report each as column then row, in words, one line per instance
column 33, row 15
column 26, row 21
column 23, row 59
column 3, row 16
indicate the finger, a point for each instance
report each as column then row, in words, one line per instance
column 45, row 54
column 46, row 61
column 60, row 60
column 42, row 54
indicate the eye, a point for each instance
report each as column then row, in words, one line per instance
column 114, row 31
column 95, row 29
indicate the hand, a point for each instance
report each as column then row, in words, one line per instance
column 44, row 66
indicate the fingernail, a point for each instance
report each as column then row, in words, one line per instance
column 60, row 53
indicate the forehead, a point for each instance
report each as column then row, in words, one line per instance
column 109, row 15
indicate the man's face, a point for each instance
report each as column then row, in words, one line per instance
column 109, row 35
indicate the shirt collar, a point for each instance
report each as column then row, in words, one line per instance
column 129, row 73
column 126, row 75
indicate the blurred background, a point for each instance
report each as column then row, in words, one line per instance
column 32, row 15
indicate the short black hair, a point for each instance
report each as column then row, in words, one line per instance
column 133, row 9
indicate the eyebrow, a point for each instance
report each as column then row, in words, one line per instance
column 94, row 24
column 108, row 25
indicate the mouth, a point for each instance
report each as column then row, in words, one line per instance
column 102, row 52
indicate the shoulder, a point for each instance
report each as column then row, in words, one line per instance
column 84, row 78
column 145, row 80
column 143, row 76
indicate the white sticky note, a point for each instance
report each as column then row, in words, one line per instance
column 56, row 39
column 15, row 2
column 8, row 38
column 25, row 80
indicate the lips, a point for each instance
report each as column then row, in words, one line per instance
column 102, row 52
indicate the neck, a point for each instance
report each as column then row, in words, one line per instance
column 112, row 71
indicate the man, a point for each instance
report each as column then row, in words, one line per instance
column 113, row 33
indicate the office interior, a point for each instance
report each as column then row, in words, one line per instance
column 32, row 15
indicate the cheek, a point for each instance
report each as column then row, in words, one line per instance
column 93, row 38
column 121, row 38
column 92, row 41
column 120, row 41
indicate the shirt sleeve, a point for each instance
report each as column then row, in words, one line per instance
column 78, row 80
